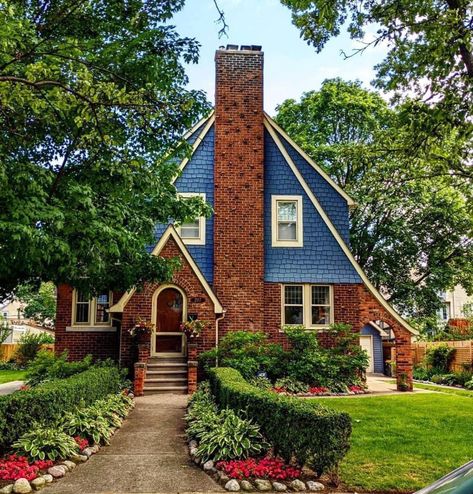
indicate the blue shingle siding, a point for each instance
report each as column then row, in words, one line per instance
column 377, row 347
column 197, row 177
column 320, row 260
column 332, row 202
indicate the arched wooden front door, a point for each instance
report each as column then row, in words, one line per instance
column 170, row 313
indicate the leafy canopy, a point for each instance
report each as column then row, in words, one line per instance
column 92, row 101
column 412, row 226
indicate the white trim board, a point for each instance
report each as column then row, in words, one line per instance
column 311, row 162
column 171, row 232
column 334, row 231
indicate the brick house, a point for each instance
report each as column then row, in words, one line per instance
column 275, row 251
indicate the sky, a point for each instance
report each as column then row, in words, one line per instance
column 291, row 66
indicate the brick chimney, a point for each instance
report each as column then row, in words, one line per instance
column 239, row 184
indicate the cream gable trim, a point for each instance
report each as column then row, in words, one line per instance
column 311, row 162
column 378, row 328
column 171, row 232
column 197, row 126
column 334, row 231
column 198, row 141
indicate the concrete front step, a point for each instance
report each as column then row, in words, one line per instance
column 160, row 381
column 167, row 373
column 165, row 389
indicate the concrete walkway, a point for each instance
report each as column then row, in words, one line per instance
column 147, row 455
column 8, row 388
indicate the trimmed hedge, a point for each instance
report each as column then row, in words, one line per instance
column 47, row 402
column 299, row 430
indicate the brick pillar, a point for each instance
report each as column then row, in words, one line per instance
column 404, row 365
column 144, row 352
column 239, row 187
column 192, row 368
column 139, row 380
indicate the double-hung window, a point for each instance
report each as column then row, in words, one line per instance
column 192, row 231
column 286, row 221
column 307, row 305
column 91, row 312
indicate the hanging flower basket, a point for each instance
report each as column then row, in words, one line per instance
column 141, row 331
column 193, row 329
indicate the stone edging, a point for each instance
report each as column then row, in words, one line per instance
column 248, row 485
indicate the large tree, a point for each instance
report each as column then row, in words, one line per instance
column 429, row 61
column 411, row 227
column 92, row 104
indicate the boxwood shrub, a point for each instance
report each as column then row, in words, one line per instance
column 47, row 402
column 300, row 430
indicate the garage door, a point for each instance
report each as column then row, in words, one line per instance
column 366, row 342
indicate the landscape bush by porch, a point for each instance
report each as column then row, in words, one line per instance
column 49, row 401
column 315, row 436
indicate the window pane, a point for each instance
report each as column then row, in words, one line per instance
column 287, row 231
column 82, row 298
column 293, row 315
column 287, row 211
column 293, row 295
column 190, row 230
column 103, row 303
column 320, row 295
column 320, row 315
column 82, row 312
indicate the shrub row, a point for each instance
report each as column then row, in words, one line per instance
column 47, row 402
column 299, row 430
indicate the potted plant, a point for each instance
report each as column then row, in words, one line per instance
column 193, row 328
column 403, row 382
column 141, row 330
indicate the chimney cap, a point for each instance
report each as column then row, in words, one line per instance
column 231, row 47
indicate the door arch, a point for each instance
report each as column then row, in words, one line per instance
column 169, row 310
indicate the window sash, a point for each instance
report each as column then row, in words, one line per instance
column 309, row 314
column 287, row 227
column 91, row 312
column 102, row 303
column 190, row 230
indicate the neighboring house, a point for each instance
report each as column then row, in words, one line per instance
column 12, row 312
column 456, row 304
column 275, row 251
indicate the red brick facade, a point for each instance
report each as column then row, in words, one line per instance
column 239, row 184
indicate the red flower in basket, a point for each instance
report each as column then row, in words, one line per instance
column 141, row 328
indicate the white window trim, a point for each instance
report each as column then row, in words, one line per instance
column 200, row 240
column 307, row 305
column 91, row 324
column 299, row 242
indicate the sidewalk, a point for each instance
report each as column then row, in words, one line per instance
column 147, row 455
column 8, row 388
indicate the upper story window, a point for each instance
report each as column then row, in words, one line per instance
column 91, row 312
column 286, row 222
column 193, row 232
column 307, row 305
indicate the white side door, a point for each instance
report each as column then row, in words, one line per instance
column 366, row 343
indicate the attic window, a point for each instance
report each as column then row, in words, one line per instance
column 286, row 221
column 192, row 232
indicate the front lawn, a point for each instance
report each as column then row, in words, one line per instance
column 7, row 376
column 401, row 443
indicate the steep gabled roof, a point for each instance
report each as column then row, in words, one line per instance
column 273, row 131
column 172, row 233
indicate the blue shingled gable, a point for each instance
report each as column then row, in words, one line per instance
column 197, row 177
column 320, row 260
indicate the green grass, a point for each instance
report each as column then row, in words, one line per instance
column 7, row 376
column 401, row 443
column 442, row 389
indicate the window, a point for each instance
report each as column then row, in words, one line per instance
column 444, row 312
column 287, row 221
column 307, row 305
column 91, row 312
column 193, row 232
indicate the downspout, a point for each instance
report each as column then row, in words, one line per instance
column 222, row 316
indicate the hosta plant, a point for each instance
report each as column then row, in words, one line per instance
column 43, row 443
column 87, row 423
column 290, row 385
column 231, row 437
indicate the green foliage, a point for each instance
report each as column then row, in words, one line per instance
column 261, row 382
column 222, row 435
column 46, row 443
column 40, row 303
column 47, row 366
column 439, row 358
column 88, row 423
column 5, row 329
column 413, row 211
column 246, row 351
column 47, row 403
column 29, row 346
column 298, row 430
column 291, row 385
column 93, row 105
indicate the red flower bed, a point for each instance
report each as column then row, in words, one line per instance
column 266, row 468
column 81, row 442
column 356, row 389
column 17, row 467
column 318, row 390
